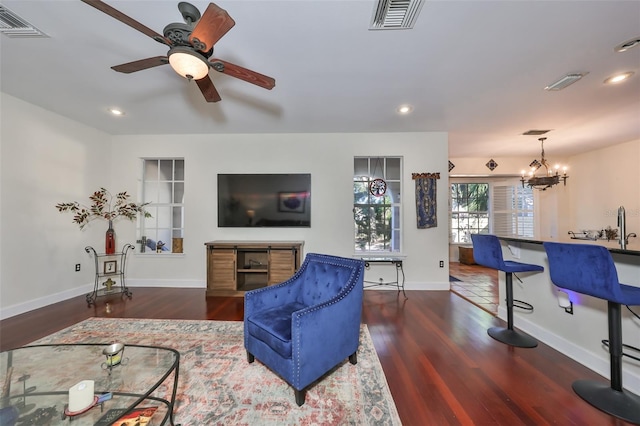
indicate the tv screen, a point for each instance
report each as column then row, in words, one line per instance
column 261, row 200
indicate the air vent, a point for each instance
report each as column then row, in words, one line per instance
column 395, row 14
column 565, row 81
column 535, row 132
column 14, row 26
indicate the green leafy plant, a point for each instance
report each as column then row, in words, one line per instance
column 104, row 206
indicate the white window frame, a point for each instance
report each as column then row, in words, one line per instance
column 514, row 221
column 514, row 213
column 467, row 238
column 377, row 168
column 162, row 193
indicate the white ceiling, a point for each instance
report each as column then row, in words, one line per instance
column 475, row 69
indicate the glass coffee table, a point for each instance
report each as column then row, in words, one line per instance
column 35, row 382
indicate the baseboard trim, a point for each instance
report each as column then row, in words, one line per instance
column 166, row 283
column 598, row 364
column 435, row 286
column 41, row 302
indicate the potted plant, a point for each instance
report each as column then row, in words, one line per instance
column 107, row 207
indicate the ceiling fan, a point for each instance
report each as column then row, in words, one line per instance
column 190, row 47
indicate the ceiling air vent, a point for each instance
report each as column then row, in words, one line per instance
column 395, row 14
column 565, row 81
column 14, row 26
column 535, row 132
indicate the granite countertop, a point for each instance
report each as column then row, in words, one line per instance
column 576, row 241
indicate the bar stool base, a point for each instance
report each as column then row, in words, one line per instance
column 622, row 404
column 512, row 337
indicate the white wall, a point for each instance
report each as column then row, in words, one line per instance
column 46, row 159
column 507, row 166
column 601, row 181
column 329, row 159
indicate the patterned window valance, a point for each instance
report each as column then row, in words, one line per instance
column 425, row 176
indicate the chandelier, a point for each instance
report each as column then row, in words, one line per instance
column 551, row 176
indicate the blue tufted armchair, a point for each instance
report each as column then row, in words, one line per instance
column 307, row 325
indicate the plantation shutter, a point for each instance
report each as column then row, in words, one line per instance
column 512, row 209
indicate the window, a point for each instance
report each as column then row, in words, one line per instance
column 513, row 214
column 163, row 188
column 377, row 225
column 469, row 210
column 502, row 208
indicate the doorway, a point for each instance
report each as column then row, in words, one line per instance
column 476, row 284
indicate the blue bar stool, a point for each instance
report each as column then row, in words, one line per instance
column 487, row 251
column 589, row 269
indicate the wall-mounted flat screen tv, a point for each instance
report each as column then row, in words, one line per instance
column 264, row 200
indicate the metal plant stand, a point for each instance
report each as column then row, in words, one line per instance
column 113, row 268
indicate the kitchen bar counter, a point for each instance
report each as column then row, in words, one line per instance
column 579, row 335
column 577, row 241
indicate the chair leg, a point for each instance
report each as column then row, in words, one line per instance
column 300, row 394
column 612, row 398
column 353, row 358
column 250, row 357
column 508, row 335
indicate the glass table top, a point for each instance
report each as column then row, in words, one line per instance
column 36, row 380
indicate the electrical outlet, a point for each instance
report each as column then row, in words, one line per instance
column 77, row 267
column 442, row 263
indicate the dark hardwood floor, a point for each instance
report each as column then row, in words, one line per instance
column 441, row 366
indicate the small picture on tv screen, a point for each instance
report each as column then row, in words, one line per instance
column 264, row 200
column 292, row 201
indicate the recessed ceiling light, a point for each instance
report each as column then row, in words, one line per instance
column 405, row 109
column 629, row 44
column 116, row 111
column 618, row 78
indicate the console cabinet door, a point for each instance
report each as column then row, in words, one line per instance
column 281, row 265
column 221, row 269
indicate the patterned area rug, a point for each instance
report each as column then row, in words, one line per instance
column 217, row 386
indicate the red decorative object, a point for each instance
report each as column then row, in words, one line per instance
column 110, row 240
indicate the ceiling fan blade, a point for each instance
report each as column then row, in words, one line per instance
column 214, row 23
column 208, row 89
column 114, row 13
column 141, row 64
column 242, row 73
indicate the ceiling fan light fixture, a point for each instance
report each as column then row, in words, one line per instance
column 188, row 63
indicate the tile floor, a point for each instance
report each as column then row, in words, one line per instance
column 478, row 285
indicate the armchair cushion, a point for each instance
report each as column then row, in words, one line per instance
column 273, row 327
